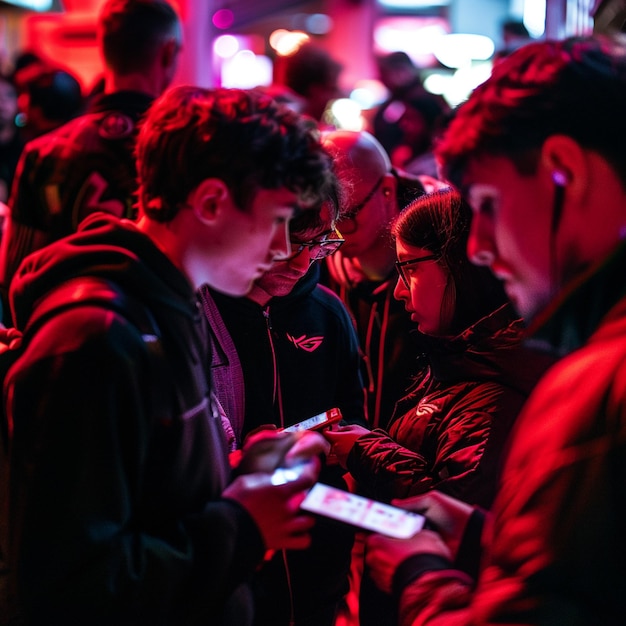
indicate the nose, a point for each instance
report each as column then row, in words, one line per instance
column 280, row 247
column 400, row 292
column 481, row 248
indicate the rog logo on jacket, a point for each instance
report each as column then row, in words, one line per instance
column 308, row 344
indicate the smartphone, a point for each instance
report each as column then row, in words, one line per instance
column 362, row 512
column 317, row 422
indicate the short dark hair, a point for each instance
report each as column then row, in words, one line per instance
column 575, row 87
column 309, row 65
column 131, row 32
column 440, row 223
column 55, row 91
column 241, row 137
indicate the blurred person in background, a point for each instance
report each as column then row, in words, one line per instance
column 313, row 74
column 88, row 165
column 407, row 97
column 11, row 141
column 48, row 97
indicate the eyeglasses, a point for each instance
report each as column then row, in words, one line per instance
column 401, row 265
column 318, row 248
column 347, row 218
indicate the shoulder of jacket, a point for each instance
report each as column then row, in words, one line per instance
column 92, row 291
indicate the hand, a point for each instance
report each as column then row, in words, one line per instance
column 383, row 555
column 264, row 451
column 10, row 339
column 268, row 449
column 308, row 444
column 446, row 514
column 276, row 508
column 342, row 439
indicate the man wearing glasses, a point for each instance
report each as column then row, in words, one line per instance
column 299, row 356
column 363, row 273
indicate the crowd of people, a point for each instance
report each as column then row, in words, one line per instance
column 188, row 272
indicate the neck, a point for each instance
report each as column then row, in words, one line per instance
column 377, row 263
column 168, row 238
column 132, row 82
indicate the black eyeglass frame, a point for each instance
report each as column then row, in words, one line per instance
column 326, row 246
column 355, row 210
column 400, row 265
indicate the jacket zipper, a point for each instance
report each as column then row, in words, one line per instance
column 278, row 400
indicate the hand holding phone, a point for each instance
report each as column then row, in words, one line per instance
column 317, row 422
column 362, row 512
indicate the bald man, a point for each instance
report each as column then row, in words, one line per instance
column 363, row 272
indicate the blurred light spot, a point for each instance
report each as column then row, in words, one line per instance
column 413, row 4
column 346, row 114
column 535, row 17
column 226, row 46
column 247, row 70
column 223, row 18
column 286, row 42
column 437, row 83
column 459, row 50
column 318, row 24
column 368, row 93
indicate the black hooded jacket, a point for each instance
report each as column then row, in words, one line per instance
column 118, row 461
column 450, row 432
column 300, row 356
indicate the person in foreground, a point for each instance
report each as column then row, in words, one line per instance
column 547, row 182
column 300, row 356
column 121, row 506
column 450, row 430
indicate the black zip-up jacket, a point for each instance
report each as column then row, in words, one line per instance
column 300, row 356
column 117, row 467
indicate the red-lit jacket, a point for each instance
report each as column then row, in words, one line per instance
column 556, row 546
column 450, row 432
column 117, row 462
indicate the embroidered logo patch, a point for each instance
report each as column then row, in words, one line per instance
column 308, row 344
column 426, row 409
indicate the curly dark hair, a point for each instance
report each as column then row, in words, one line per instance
column 575, row 87
column 242, row 137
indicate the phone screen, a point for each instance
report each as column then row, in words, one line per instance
column 362, row 512
column 317, row 421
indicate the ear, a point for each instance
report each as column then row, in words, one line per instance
column 208, row 198
column 564, row 162
column 390, row 191
column 169, row 53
